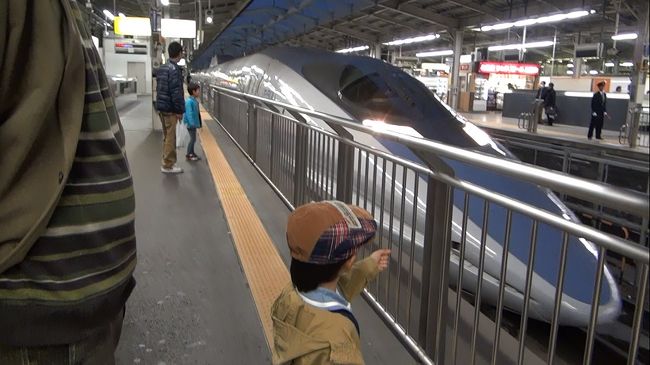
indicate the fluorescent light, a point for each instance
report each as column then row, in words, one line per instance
column 178, row 28
column 164, row 2
column 353, row 49
column 446, row 52
column 423, row 38
column 540, row 20
column 609, row 64
column 121, row 15
column 569, row 65
column 593, row 72
column 624, row 36
column 521, row 46
column 208, row 19
column 569, row 72
column 109, row 15
column 626, row 64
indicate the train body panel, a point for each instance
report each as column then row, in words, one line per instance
column 366, row 89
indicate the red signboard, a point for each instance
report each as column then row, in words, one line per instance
column 511, row 68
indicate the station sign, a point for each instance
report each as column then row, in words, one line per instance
column 510, row 68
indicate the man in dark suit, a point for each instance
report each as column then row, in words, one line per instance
column 598, row 111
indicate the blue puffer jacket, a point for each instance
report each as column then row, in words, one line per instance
column 192, row 117
column 169, row 89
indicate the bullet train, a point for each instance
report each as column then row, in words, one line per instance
column 371, row 91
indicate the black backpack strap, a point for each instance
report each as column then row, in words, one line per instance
column 347, row 314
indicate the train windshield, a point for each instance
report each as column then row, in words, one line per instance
column 377, row 91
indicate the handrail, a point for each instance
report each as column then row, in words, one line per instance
column 613, row 197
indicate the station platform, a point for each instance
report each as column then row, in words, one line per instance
column 567, row 135
column 195, row 301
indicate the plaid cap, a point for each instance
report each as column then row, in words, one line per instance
column 328, row 232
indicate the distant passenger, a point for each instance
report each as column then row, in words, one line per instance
column 549, row 104
column 67, row 238
column 619, row 89
column 598, row 111
column 511, row 87
column 313, row 322
column 170, row 103
column 541, row 92
column 192, row 119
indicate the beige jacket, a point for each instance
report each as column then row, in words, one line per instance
column 304, row 334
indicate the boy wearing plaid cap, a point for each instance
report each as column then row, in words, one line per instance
column 312, row 319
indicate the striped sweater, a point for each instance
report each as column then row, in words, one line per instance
column 77, row 274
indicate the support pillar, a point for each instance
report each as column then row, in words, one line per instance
column 377, row 51
column 454, row 90
column 637, row 78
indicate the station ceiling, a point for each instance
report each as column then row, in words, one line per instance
column 245, row 26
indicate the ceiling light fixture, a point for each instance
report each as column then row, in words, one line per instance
column 626, row 64
column 609, row 64
column 593, row 72
column 569, row 72
column 109, row 15
column 121, row 15
column 569, row 65
column 541, row 20
column 446, row 52
column 624, row 36
column 521, row 46
column 353, row 49
column 164, row 2
column 423, row 38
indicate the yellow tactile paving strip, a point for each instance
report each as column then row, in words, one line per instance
column 266, row 273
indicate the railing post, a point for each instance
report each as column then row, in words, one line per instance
column 300, row 156
column 633, row 134
column 252, row 131
column 345, row 173
column 435, row 270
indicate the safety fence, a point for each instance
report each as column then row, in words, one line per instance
column 475, row 276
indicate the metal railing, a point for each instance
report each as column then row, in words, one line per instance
column 637, row 132
column 306, row 155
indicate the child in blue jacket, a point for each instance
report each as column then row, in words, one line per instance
column 192, row 118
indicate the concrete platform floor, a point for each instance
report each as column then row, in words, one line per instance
column 192, row 304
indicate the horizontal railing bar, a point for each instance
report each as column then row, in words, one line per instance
column 614, row 197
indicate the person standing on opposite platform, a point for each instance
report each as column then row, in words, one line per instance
column 67, row 237
column 170, row 103
column 192, row 119
column 598, row 111
column 313, row 322
column 549, row 104
column 541, row 92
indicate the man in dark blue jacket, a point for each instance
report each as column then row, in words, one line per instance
column 170, row 103
column 598, row 111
